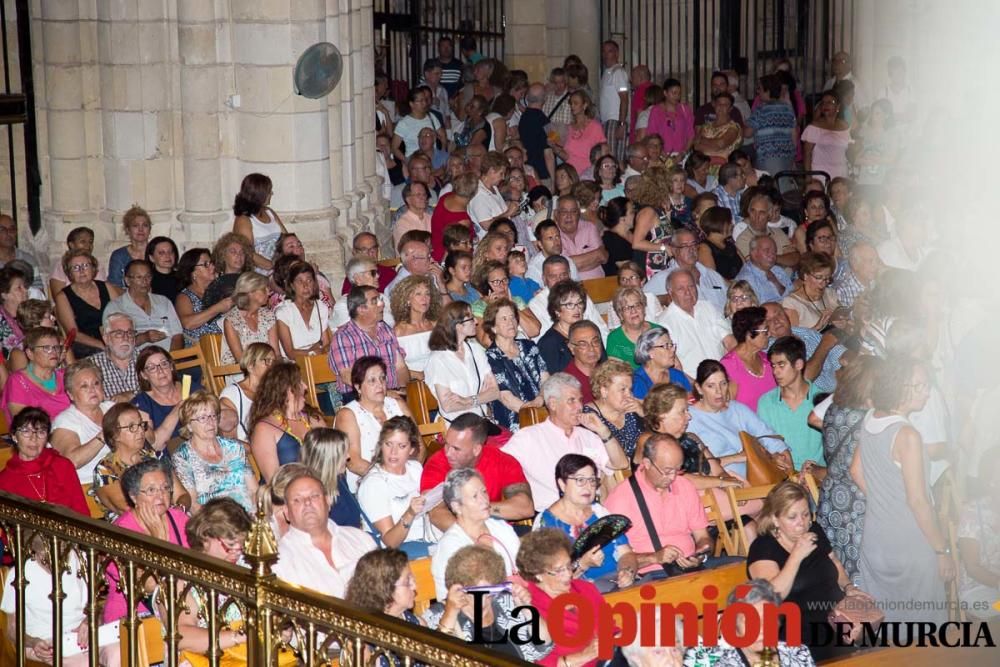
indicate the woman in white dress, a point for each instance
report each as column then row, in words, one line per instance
column 255, row 219
column 303, row 319
column 361, row 420
column 239, row 396
column 76, row 431
column 389, row 493
column 415, row 305
column 458, row 373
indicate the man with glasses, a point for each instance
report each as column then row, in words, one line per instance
column 568, row 430
column 556, row 269
column 365, row 245
column 769, row 281
column 581, row 241
column 117, row 360
column 673, row 505
column 711, row 285
column 9, row 251
column 637, row 160
column 823, row 351
column 416, row 259
column 153, row 316
column 698, row 327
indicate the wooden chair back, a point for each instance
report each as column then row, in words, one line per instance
column 728, row 540
column 601, row 290
column 150, row 646
column 760, row 468
column 188, row 358
column 736, row 496
column 211, row 350
column 426, row 594
column 430, row 433
column 315, row 371
column 531, row 416
column 421, row 401
column 6, row 451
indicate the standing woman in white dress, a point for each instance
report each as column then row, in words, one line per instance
column 458, row 372
column 255, row 219
column 415, row 305
column 362, row 419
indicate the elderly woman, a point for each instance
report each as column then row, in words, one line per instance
column 750, row 374
column 389, row 493
column 13, row 292
column 606, row 567
column 136, row 224
column 40, row 384
column 152, row 315
column 325, row 453
column 303, row 319
column 82, row 302
column 37, row 472
column 516, row 363
column 567, row 301
column 629, row 304
column 159, row 396
column 125, row 432
column 630, row 274
column 614, row 403
column 582, row 134
column 239, row 396
column 718, row 250
column 458, row 373
column 30, row 314
column 417, row 215
column 656, row 358
column 718, row 420
column 758, row 593
column 148, row 487
column 232, row 256
column 383, row 582
column 458, row 277
column 77, row 430
column 361, row 271
column 739, row 296
column 362, row 419
column 208, row 465
column 466, row 496
column 256, row 220
column 416, row 304
column 195, row 272
column 545, row 562
column 812, row 304
column 162, row 252
column 479, row 565
column 793, row 553
column 279, row 418
column 250, row 320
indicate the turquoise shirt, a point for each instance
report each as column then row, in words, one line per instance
column 805, row 442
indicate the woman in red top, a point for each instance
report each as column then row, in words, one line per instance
column 544, row 562
column 450, row 210
column 39, row 473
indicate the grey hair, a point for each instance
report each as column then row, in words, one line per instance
column 755, row 241
column 680, row 272
column 69, row 379
column 113, row 314
column 634, row 652
column 453, row 484
column 652, row 443
column 644, row 344
column 674, row 241
column 554, row 386
column 618, row 301
column 754, row 591
column 358, row 265
column 132, row 477
column 634, row 149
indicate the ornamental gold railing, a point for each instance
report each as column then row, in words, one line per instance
column 278, row 619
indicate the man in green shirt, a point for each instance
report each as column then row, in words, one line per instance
column 786, row 408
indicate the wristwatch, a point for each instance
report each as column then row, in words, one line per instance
column 944, row 552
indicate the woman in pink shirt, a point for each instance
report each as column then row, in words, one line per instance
column 749, row 370
column 672, row 120
column 583, row 133
column 825, row 140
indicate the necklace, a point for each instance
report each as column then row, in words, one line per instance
column 41, row 494
column 48, row 385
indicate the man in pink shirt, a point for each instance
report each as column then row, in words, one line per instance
column 568, row 430
column 674, row 506
column 581, row 241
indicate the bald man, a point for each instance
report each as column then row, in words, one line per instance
column 532, row 131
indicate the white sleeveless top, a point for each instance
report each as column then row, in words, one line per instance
column 243, row 404
column 265, row 236
column 417, row 348
column 369, row 427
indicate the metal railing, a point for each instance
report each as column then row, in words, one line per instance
column 318, row 629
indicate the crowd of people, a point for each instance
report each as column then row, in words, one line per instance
column 815, row 330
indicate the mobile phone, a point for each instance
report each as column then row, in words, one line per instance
column 491, row 589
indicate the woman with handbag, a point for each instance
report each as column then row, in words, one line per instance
column 793, row 553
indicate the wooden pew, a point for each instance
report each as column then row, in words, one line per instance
column 687, row 587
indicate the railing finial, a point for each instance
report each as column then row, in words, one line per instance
column 261, row 549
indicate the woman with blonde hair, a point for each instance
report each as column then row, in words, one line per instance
column 614, row 403
column 325, row 452
column 232, row 256
column 494, row 247
column 652, row 223
column 739, row 296
column 583, row 133
column 239, row 396
column 250, row 320
column 415, row 304
column 629, row 304
column 137, row 226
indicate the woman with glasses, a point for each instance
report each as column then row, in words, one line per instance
column 239, row 396
column 159, row 396
column 630, row 274
column 812, row 304
column 656, row 356
column 567, row 301
column 383, row 582
column 250, row 320
column 162, row 252
column 125, row 432
column 80, row 305
column 815, row 208
column 493, row 282
column 458, row 372
column 76, row 431
column 629, row 304
column 750, row 375
column 516, row 363
column 739, row 296
column 148, row 486
column 303, row 319
column 195, row 272
column 614, row 404
column 208, row 465
column 37, row 472
column 40, row 383
column 614, row 564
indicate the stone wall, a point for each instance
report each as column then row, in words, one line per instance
column 169, row 103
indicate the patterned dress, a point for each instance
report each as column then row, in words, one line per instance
column 628, row 435
column 265, row 322
column 109, row 471
column 205, row 480
column 191, row 336
column 660, row 233
column 522, row 376
column 841, row 511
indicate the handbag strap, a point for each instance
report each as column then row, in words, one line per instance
column 558, row 104
column 173, row 525
column 646, row 517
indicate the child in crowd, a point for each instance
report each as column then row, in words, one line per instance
column 520, row 285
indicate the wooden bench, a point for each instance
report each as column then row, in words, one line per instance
column 601, row 290
column 687, row 587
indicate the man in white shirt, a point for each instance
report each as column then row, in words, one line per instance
column 697, row 327
column 568, row 430
column 556, row 269
column 316, row 553
column 711, row 285
column 638, row 160
column 841, row 66
column 614, row 99
column 550, row 243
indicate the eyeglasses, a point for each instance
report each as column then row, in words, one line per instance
column 666, row 472
column 561, row 570
column 821, row 279
column 367, row 249
column 125, row 334
column 231, row 547
column 586, row 481
column 572, row 305
column 207, row 418
column 80, row 268
column 162, row 366
column 420, row 258
column 628, row 308
column 28, row 432
column 499, row 281
column 665, row 346
column 134, row 427
column 594, row 343
column 757, row 332
column 206, row 264
column 155, row 491
column 47, row 348
column 740, row 297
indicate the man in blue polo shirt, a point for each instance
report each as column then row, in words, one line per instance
column 786, row 408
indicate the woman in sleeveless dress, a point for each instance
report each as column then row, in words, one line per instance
column 80, row 305
column 239, row 396
column 256, row 220
column 652, row 222
column 196, row 272
column 415, row 305
column 905, row 559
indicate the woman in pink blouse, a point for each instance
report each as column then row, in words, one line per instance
column 672, row 120
column 825, row 140
column 749, row 370
column 583, row 133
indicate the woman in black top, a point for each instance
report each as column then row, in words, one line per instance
column 163, row 254
column 794, row 554
column 80, row 305
column 718, row 250
column 567, row 301
column 618, row 217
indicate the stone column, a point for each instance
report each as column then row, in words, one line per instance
column 526, row 41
